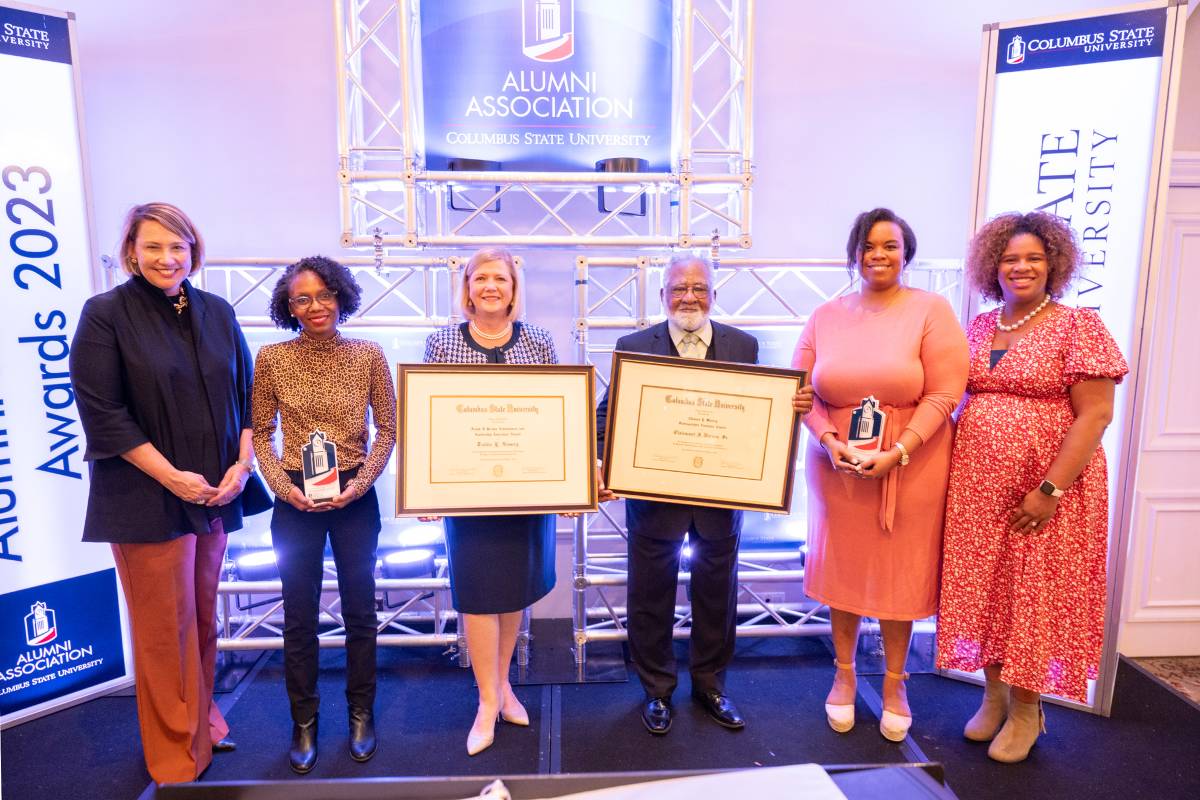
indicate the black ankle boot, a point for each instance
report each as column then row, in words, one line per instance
column 362, row 733
column 303, row 755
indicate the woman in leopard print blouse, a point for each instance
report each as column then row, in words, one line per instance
column 323, row 381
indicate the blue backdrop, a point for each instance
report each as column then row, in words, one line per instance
column 547, row 84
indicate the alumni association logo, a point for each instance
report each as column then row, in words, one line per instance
column 1016, row 50
column 40, row 625
column 548, row 29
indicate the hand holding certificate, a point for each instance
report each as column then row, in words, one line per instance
column 701, row 432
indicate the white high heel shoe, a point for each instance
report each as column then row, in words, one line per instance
column 478, row 741
column 517, row 716
column 893, row 726
column 841, row 717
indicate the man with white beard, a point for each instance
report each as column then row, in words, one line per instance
column 657, row 529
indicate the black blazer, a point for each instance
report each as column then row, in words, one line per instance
column 124, row 357
column 672, row 520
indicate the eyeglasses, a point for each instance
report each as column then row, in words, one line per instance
column 679, row 292
column 325, row 298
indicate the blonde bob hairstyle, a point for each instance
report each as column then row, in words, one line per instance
column 170, row 218
column 481, row 257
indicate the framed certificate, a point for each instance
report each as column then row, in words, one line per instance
column 706, row 433
column 480, row 439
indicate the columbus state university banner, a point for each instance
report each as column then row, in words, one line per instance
column 60, row 625
column 1074, row 125
column 547, row 84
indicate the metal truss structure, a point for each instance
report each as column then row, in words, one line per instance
column 386, row 189
column 390, row 202
column 614, row 294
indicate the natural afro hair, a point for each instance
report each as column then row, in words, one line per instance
column 335, row 276
column 1062, row 251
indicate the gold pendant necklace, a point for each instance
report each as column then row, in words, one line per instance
column 180, row 304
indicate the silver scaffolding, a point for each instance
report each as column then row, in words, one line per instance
column 399, row 292
column 384, row 185
column 612, row 295
column 390, row 203
column 617, row 295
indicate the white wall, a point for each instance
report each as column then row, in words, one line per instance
column 227, row 108
column 1187, row 119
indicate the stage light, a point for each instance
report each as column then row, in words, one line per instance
column 623, row 165
column 413, row 563
column 249, row 539
column 472, row 165
column 423, row 535
column 256, row 565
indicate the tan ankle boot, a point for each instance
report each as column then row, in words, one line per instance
column 1014, row 741
column 991, row 714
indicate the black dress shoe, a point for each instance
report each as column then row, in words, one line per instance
column 656, row 714
column 225, row 745
column 362, row 734
column 303, row 755
column 721, row 709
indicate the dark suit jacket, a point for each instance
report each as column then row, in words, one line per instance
column 672, row 520
column 125, row 359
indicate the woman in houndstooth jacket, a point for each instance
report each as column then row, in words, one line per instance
column 498, row 565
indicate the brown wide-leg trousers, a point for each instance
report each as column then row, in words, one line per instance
column 171, row 590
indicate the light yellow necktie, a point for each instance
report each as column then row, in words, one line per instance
column 689, row 346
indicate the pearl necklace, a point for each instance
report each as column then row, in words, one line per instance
column 1024, row 319
column 491, row 336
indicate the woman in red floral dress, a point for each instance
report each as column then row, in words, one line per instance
column 1023, row 580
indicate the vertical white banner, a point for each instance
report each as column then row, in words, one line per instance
column 1074, row 125
column 1074, row 132
column 60, row 630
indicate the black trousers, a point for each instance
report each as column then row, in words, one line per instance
column 653, row 580
column 298, row 538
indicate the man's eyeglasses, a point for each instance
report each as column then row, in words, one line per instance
column 303, row 301
column 679, row 292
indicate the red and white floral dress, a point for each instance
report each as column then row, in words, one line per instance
column 1031, row 601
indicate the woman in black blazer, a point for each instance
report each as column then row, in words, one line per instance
column 162, row 377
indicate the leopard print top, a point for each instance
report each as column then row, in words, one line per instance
column 328, row 384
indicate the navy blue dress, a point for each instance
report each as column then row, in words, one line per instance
column 497, row 564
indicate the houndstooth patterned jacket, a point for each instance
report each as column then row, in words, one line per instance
column 454, row 345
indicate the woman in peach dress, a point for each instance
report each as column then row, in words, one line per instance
column 875, row 519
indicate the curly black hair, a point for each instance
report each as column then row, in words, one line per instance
column 861, row 229
column 1063, row 256
column 335, row 276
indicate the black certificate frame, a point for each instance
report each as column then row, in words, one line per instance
column 694, row 375
column 579, row 440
